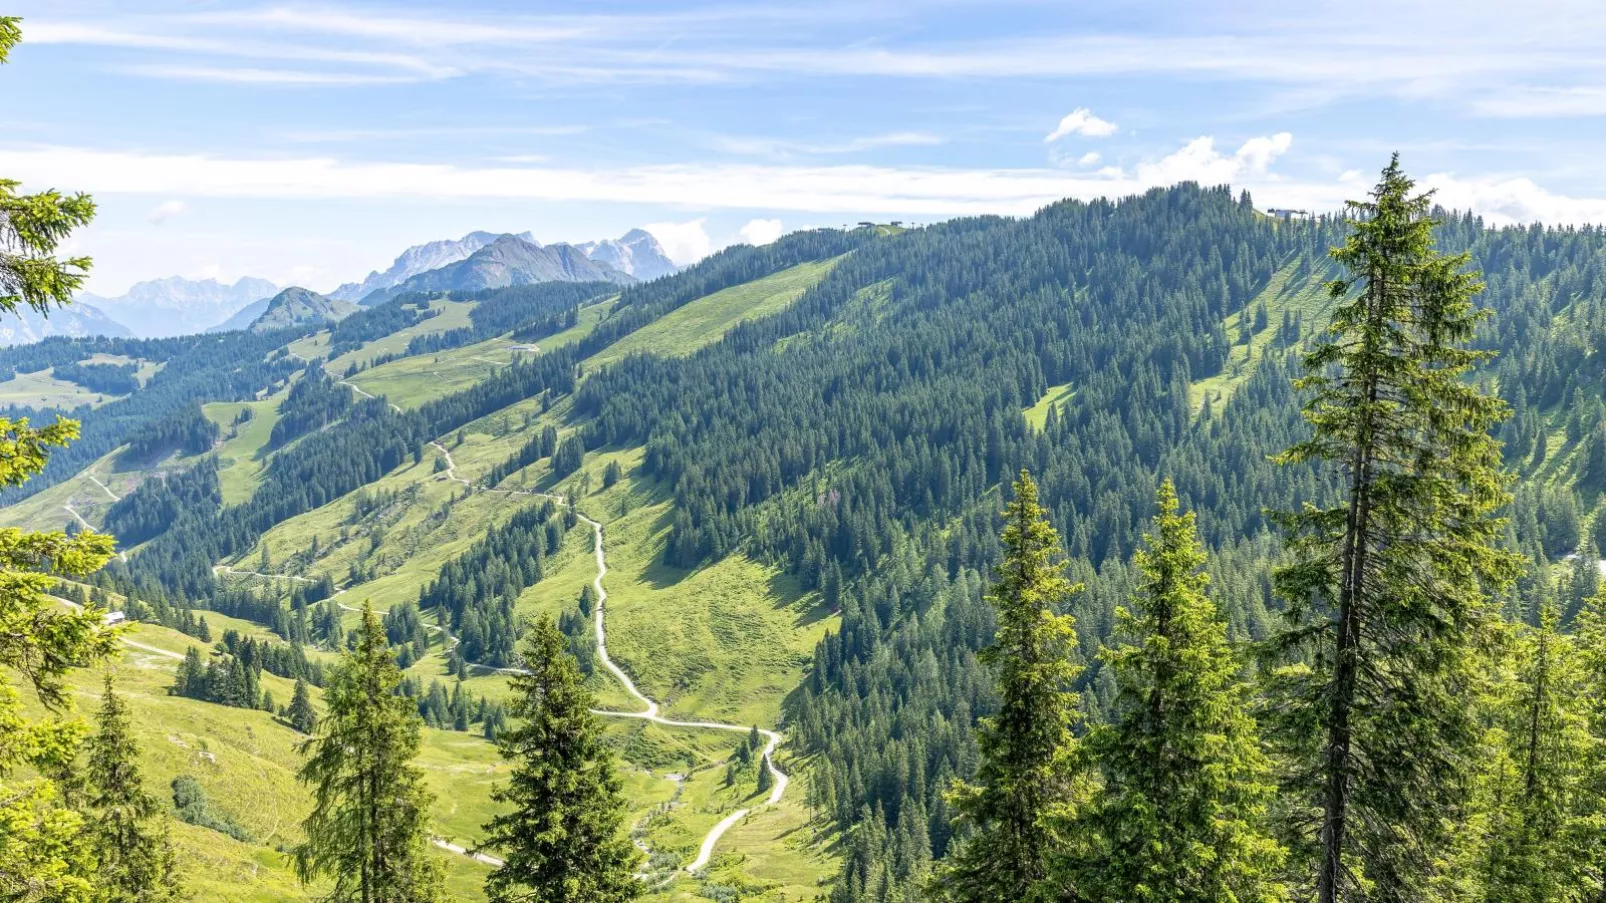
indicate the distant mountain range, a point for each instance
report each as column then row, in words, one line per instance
column 636, row 253
column 179, row 306
column 296, row 306
column 80, row 319
column 416, row 259
column 478, row 260
column 508, row 260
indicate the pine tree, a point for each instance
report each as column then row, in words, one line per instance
column 562, row 842
column 1590, row 842
column 31, row 226
column 1181, row 813
column 1526, row 827
column 367, row 826
column 1386, row 591
column 134, row 860
column 1025, row 783
column 301, row 714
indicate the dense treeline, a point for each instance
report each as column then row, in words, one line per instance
column 188, row 431
column 520, row 309
column 1123, row 301
column 640, row 304
column 112, row 379
column 480, row 587
column 288, row 660
column 542, row 445
column 165, row 500
column 314, row 402
column 57, row 351
column 372, row 323
column 371, row 441
column 231, row 366
column 224, row 679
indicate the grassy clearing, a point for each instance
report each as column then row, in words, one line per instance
column 702, row 322
column 399, row 546
column 243, row 452
column 590, row 316
column 1297, row 288
column 412, row 381
column 1037, row 414
column 453, row 315
column 247, row 762
column 726, row 642
column 42, row 390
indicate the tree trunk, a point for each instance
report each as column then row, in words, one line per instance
column 1335, row 813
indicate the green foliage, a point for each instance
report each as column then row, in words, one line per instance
column 367, row 829
column 133, row 856
column 32, row 225
column 43, row 854
column 562, row 842
column 1524, row 834
column 1026, row 784
column 1180, row 815
column 1387, row 611
column 194, row 807
column 301, row 714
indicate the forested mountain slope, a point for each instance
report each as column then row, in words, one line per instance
column 795, row 455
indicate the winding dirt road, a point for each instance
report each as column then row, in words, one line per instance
column 650, row 712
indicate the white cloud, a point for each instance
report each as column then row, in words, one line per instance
column 1091, row 158
column 1509, row 201
column 1199, row 161
column 1081, row 121
column 165, row 211
column 855, row 190
column 760, row 231
column 686, row 242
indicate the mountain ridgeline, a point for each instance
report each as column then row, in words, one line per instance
column 858, row 440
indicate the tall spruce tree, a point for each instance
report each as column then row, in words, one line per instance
column 367, row 827
column 1387, row 590
column 1026, row 784
column 1181, row 813
column 562, row 841
column 133, row 858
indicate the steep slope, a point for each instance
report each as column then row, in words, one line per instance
column 78, row 320
column 296, row 306
column 509, row 260
column 177, row 306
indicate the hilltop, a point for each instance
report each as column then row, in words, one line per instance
column 297, row 306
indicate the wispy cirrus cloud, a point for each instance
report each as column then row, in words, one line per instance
column 782, row 147
column 1322, row 52
column 297, row 78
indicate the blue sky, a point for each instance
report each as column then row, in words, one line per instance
column 310, row 142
